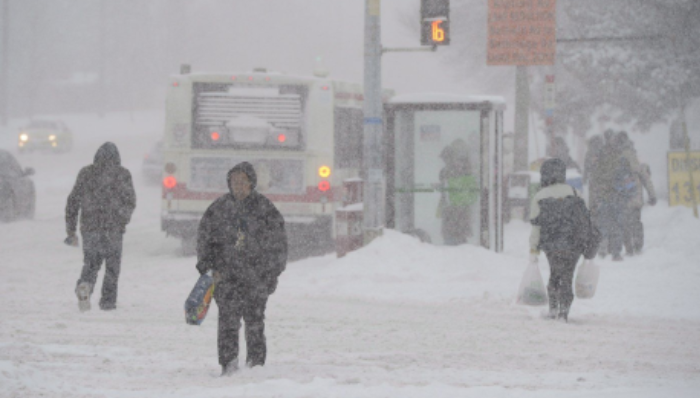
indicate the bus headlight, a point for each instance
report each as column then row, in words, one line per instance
column 23, row 137
column 52, row 138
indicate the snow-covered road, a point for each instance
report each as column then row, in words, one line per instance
column 398, row 318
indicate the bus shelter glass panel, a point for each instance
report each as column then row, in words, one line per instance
column 437, row 174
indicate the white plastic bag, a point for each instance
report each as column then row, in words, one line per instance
column 587, row 279
column 532, row 291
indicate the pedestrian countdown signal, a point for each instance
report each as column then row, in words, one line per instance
column 435, row 22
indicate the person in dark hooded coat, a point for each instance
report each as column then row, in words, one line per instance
column 104, row 198
column 242, row 238
column 562, row 259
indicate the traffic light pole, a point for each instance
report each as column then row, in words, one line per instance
column 373, row 168
column 408, row 49
column 5, row 65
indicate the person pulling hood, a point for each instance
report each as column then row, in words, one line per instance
column 107, row 156
column 246, row 168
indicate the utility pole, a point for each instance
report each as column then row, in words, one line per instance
column 373, row 166
column 101, row 51
column 5, row 63
column 522, row 123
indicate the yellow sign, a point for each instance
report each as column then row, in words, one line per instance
column 679, row 179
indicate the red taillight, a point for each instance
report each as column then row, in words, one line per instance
column 281, row 138
column 324, row 186
column 169, row 182
column 176, row 84
column 233, row 78
column 215, row 136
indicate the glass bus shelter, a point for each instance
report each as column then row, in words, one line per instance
column 444, row 168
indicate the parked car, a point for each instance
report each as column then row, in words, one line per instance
column 152, row 166
column 17, row 192
column 46, row 135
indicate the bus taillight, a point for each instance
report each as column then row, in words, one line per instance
column 169, row 182
column 215, row 136
column 281, row 138
column 324, row 186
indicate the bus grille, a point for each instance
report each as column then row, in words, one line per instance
column 281, row 110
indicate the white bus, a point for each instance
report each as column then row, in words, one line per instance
column 303, row 135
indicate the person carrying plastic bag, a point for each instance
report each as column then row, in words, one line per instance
column 562, row 229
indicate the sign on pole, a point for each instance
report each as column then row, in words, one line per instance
column 680, row 165
column 550, row 91
column 521, row 32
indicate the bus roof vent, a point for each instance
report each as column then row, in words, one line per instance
column 260, row 69
column 185, row 69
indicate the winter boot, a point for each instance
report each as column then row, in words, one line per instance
column 564, row 314
column 230, row 368
column 83, row 291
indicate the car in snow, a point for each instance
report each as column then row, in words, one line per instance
column 152, row 165
column 45, row 135
column 17, row 192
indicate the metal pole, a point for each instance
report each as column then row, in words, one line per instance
column 5, row 95
column 101, row 54
column 373, row 166
column 686, row 141
column 522, row 110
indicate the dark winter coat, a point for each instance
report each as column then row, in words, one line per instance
column 103, row 195
column 243, row 241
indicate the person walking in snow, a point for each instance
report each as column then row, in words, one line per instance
column 104, row 198
column 242, row 239
column 562, row 229
column 640, row 179
column 614, row 174
column 560, row 150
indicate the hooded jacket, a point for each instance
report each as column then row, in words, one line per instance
column 244, row 241
column 553, row 182
column 103, row 195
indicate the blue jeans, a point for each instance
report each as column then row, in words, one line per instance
column 98, row 247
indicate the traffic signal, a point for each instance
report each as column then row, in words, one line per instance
column 435, row 22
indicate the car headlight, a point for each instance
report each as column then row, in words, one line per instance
column 23, row 137
column 52, row 137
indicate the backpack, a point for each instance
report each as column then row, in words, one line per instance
column 565, row 225
column 624, row 180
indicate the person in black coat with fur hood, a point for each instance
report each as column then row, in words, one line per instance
column 242, row 239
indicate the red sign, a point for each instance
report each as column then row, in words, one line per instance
column 521, row 32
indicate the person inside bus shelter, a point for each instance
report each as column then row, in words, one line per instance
column 459, row 191
column 242, row 238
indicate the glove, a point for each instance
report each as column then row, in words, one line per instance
column 534, row 258
column 203, row 267
column 72, row 240
column 652, row 201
